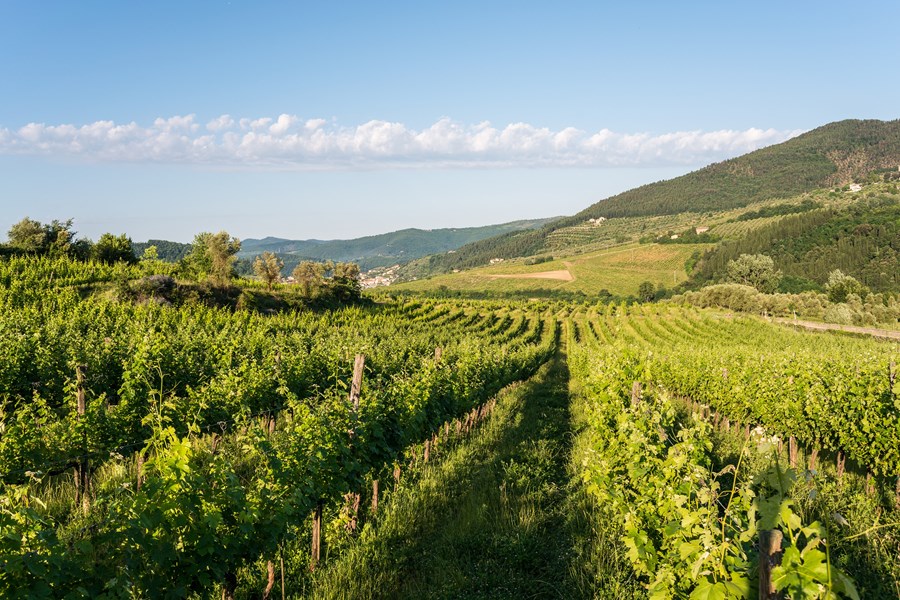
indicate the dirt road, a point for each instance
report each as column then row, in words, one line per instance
column 881, row 333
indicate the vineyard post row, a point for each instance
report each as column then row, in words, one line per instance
column 441, row 436
column 624, row 420
column 672, row 373
column 793, row 448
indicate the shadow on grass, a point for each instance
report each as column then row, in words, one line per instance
column 488, row 520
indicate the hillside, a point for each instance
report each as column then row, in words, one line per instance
column 808, row 236
column 831, row 155
column 383, row 249
column 611, row 272
column 165, row 250
column 862, row 240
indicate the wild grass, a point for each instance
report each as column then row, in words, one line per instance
column 497, row 516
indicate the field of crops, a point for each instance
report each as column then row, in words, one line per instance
column 155, row 450
column 708, row 433
column 200, row 438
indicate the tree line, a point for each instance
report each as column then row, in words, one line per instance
column 862, row 240
column 211, row 257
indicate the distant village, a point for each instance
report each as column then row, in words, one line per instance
column 379, row 276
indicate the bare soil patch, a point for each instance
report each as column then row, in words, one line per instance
column 561, row 275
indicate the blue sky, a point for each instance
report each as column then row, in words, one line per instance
column 334, row 120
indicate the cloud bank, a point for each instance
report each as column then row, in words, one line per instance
column 290, row 142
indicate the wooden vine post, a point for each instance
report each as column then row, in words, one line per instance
column 316, row 536
column 353, row 498
column 356, row 384
column 841, row 460
column 438, row 351
column 273, row 415
column 793, row 452
column 769, row 558
column 636, row 393
column 82, row 473
column 270, row 580
column 140, row 468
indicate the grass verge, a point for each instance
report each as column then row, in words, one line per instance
column 493, row 518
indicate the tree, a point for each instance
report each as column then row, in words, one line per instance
column 646, row 291
column 151, row 263
column 345, row 281
column 59, row 236
column 212, row 255
column 310, row 277
column 756, row 270
column 150, row 253
column 28, row 235
column 54, row 238
column 111, row 248
column 268, row 268
column 840, row 286
column 222, row 250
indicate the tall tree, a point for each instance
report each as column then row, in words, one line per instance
column 268, row 268
column 59, row 236
column 28, row 235
column 345, row 281
column 310, row 278
column 222, row 253
column 213, row 256
column 646, row 291
column 757, row 270
column 840, row 286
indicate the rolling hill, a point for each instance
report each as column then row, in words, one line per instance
column 831, row 155
column 383, row 249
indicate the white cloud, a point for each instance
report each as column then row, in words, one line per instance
column 282, row 124
column 294, row 143
column 220, row 124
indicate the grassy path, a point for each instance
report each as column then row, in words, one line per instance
column 491, row 519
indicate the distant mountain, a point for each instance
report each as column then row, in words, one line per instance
column 831, row 155
column 384, row 249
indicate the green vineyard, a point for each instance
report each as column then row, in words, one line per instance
column 666, row 389
column 196, row 451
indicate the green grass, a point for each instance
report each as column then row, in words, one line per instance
column 497, row 517
column 618, row 270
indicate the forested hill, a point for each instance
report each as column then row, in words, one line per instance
column 834, row 154
column 831, row 155
column 165, row 250
column 862, row 240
